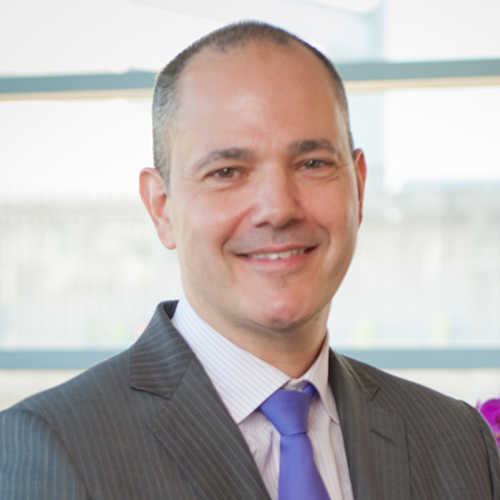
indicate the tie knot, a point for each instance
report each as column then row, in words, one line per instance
column 288, row 410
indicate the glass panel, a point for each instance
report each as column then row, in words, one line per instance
column 444, row 29
column 79, row 257
column 427, row 269
column 81, row 265
column 443, row 136
column 80, row 275
column 68, row 149
column 56, row 36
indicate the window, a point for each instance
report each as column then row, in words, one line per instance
column 80, row 260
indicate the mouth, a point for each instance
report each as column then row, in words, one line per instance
column 286, row 254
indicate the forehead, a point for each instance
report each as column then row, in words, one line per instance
column 254, row 51
column 245, row 90
column 254, row 66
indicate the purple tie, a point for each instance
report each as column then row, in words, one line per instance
column 299, row 478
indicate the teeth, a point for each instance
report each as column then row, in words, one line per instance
column 276, row 256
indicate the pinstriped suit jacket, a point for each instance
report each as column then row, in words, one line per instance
column 148, row 424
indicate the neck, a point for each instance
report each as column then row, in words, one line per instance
column 291, row 349
column 293, row 360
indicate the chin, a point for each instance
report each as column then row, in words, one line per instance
column 284, row 315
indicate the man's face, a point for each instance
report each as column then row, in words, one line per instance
column 265, row 197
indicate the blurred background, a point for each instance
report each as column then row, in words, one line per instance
column 81, row 268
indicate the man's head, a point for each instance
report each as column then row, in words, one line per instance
column 166, row 102
column 265, row 192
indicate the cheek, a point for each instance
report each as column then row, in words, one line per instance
column 208, row 222
column 334, row 210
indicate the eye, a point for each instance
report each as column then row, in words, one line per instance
column 313, row 164
column 225, row 173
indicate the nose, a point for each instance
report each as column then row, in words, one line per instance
column 277, row 199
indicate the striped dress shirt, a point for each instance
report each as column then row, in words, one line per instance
column 244, row 382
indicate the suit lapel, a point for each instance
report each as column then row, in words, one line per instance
column 193, row 425
column 374, row 438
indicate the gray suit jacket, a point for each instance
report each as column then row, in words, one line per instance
column 148, row 424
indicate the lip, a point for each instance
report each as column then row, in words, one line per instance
column 289, row 260
column 276, row 249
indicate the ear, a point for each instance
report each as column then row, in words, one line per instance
column 154, row 195
column 360, row 170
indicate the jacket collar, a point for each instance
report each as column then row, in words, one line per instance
column 160, row 357
column 193, row 426
column 374, row 437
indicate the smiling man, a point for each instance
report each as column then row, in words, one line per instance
column 264, row 197
column 232, row 393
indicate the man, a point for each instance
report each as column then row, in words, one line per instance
column 258, row 187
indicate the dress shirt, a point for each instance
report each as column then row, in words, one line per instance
column 244, row 382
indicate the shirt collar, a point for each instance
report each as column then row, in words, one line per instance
column 243, row 380
column 317, row 375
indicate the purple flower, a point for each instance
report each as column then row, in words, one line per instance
column 491, row 412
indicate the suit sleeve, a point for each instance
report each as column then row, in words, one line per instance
column 492, row 452
column 33, row 461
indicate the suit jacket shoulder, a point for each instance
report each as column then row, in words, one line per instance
column 438, row 447
column 146, row 423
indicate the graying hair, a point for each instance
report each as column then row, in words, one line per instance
column 166, row 102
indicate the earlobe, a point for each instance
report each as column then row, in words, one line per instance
column 360, row 169
column 154, row 196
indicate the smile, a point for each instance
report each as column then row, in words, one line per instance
column 278, row 255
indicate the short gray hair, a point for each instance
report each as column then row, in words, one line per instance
column 166, row 102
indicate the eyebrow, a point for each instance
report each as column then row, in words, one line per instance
column 308, row 145
column 296, row 147
column 224, row 154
